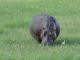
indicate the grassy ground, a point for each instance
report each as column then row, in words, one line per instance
column 15, row 40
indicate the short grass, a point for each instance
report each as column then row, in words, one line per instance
column 16, row 42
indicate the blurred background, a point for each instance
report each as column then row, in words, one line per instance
column 16, row 43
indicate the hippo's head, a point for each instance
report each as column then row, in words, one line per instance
column 48, row 34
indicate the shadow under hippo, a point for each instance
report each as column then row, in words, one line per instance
column 45, row 29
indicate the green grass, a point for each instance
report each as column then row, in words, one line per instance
column 16, row 42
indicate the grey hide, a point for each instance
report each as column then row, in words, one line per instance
column 45, row 29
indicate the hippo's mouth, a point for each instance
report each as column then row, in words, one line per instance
column 47, row 40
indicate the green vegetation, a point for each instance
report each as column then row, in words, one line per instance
column 16, row 42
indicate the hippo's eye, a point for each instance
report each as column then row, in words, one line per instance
column 43, row 28
column 45, row 33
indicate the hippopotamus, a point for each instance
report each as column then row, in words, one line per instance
column 45, row 29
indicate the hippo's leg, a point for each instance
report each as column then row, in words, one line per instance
column 39, row 40
column 44, row 43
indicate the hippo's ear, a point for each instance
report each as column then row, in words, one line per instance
column 44, row 26
column 54, row 27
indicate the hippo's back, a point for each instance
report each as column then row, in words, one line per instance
column 37, row 25
column 39, row 22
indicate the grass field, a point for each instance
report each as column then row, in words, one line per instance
column 16, row 42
